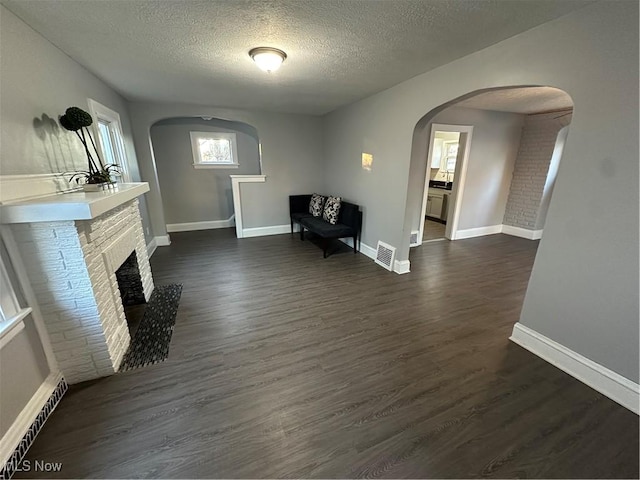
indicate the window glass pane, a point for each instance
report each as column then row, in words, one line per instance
column 215, row 150
column 105, row 142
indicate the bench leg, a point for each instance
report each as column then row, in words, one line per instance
column 325, row 245
column 301, row 232
column 291, row 227
column 355, row 243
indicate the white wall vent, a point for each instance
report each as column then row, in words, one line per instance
column 413, row 239
column 385, row 255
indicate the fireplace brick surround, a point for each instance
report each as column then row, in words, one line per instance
column 71, row 266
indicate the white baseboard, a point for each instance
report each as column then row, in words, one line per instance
column 477, row 232
column 207, row 225
column 264, row 231
column 368, row 251
column 27, row 416
column 364, row 249
column 163, row 241
column 609, row 383
column 151, row 247
column 522, row 232
column 493, row 229
column 401, row 266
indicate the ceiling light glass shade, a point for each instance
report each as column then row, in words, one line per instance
column 268, row 59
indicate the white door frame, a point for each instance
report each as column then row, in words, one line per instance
column 453, row 215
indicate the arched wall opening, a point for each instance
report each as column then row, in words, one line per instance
column 198, row 197
column 499, row 121
column 291, row 162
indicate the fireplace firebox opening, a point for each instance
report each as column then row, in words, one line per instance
column 131, row 292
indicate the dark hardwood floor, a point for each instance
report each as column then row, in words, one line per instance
column 286, row 365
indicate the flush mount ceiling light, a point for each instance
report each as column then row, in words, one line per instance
column 267, row 58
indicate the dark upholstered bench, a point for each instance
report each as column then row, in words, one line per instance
column 349, row 222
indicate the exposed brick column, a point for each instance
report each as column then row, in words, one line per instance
column 538, row 140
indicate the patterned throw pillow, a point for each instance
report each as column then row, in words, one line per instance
column 316, row 204
column 332, row 209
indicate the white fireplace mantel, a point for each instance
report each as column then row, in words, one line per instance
column 74, row 205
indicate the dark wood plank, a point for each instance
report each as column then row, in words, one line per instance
column 284, row 364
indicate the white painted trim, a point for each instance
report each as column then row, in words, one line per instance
column 205, row 225
column 106, row 114
column 402, row 266
column 221, row 165
column 418, row 241
column 364, row 249
column 460, row 178
column 195, row 151
column 236, row 180
column 151, row 247
column 22, row 187
column 11, row 327
column 477, row 232
column 368, row 251
column 460, row 175
column 27, row 416
column 522, row 232
column 609, row 383
column 264, row 231
column 76, row 205
column 163, row 240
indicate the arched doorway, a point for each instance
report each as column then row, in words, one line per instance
column 194, row 158
column 503, row 176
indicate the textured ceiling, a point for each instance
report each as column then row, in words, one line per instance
column 520, row 100
column 338, row 51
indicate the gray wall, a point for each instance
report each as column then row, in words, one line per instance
column 291, row 158
column 23, row 368
column 198, row 195
column 39, row 82
column 494, row 145
column 552, row 173
column 531, row 170
column 577, row 296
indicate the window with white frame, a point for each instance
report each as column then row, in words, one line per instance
column 12, row 313
column 214, row 150
column 110, row 141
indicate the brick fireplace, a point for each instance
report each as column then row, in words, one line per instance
column 72, row 265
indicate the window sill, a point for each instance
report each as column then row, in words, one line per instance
column 225, row 165
column 12, row 326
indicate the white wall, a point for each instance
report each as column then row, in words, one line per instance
column 577, row 296
column 39, row 82
column 291, row 158
column 199, row 195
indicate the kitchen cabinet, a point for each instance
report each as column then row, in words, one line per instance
column 434, row 204
column 438, row 200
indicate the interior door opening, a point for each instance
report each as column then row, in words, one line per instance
column 448, row 147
